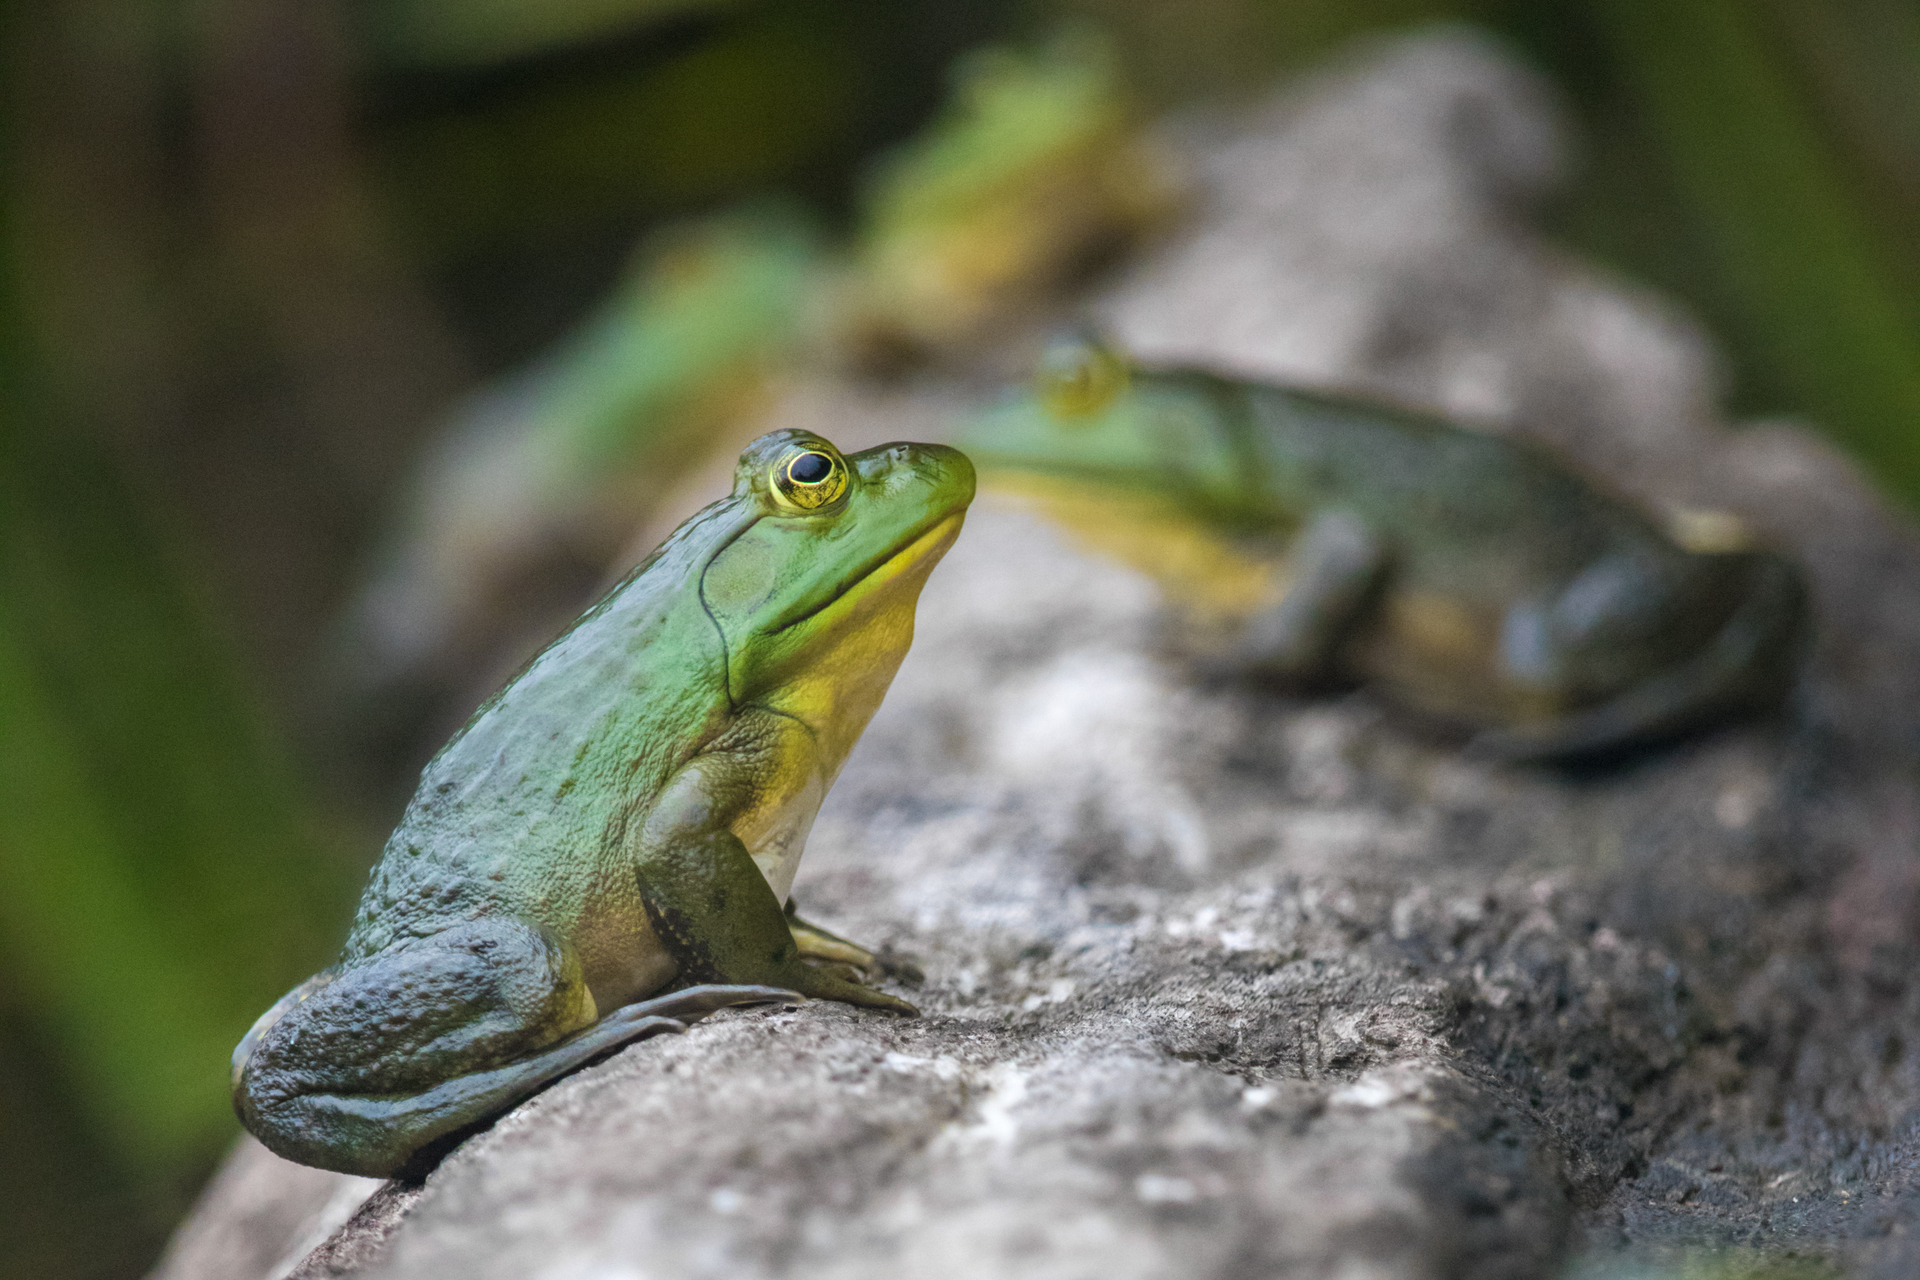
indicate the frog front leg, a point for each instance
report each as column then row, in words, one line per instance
column 707, row 901
column 368, row 1068
column 1337, row 565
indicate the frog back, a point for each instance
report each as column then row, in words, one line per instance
column 1517, row 590
column 525, row 810
column 1482, row 514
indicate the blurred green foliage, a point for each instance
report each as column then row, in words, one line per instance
column 749, row 107
column 444, row 33
column 251, row 248
column 1825, row 301
column 161, row 881
column 159, row 878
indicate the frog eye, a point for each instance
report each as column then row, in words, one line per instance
column 1078, row 378
column 808, row 479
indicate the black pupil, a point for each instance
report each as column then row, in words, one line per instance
column 811, row 468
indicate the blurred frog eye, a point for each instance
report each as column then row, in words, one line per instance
column 1078, row 379
column 808, row 479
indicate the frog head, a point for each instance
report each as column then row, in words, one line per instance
column 1091, row 419
column 814, row 594
column 1147, row 467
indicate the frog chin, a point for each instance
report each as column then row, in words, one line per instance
column 906, row 564
column 856, row 642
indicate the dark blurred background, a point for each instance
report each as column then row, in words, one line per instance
column 259, row 252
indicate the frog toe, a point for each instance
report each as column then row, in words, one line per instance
column 837, row 969
column 694, row 1003
column 893, row 1004
column 883, row 1002
column 643, row 1025
column 823, row 946
column 826, row 986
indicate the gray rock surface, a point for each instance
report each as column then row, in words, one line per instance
column 1225, row 984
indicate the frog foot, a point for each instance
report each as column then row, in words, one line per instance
column 837, row 969
column 837, row 955
column 820, row 982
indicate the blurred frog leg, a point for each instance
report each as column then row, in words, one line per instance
column 1749, row 662
column 1338, row 562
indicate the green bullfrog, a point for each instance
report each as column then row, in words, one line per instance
column 604, row 851
column 1471, row 578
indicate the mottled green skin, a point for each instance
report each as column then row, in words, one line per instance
column 622, row 819
column 1468, row 576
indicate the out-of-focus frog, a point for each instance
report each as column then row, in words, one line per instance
column 537, row 483
column 1469, row 577
column 1038, row 168
column 623, row 819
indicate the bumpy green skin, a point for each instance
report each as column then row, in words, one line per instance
column 1468, row 576
column 590, row 838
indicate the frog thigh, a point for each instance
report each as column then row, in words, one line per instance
column 1338, row 561
column 1749, row 661
column 708, row 902
column 424, row 1040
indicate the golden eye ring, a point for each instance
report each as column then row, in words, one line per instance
column 1077, row 379
column 808, row 479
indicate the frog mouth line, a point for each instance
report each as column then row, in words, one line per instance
column 932, row 540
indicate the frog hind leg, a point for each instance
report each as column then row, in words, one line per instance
column 1749, row 662
column 1338, row 564
column 379, row 1068
column 722, row 922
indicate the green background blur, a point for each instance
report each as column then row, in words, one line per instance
column 253, row 247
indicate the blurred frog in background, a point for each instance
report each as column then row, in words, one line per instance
column 1470, row 578
column 1038, row 169
column 605, row 851
column 522, row 505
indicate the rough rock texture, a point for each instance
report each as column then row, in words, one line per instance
column 1221, row 983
